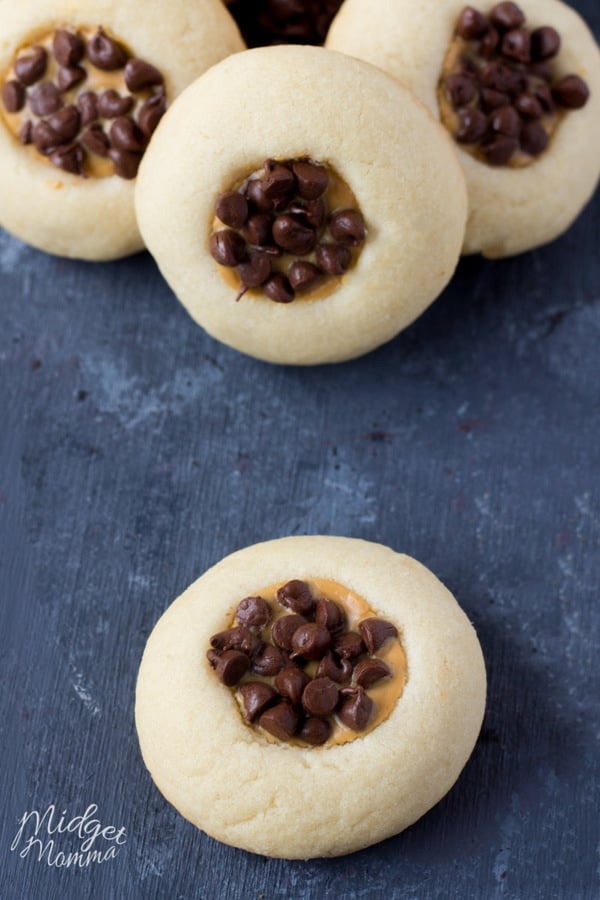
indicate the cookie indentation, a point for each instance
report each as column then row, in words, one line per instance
column 81, row 101
column 292, row 229
column 499, row 94
column 310, row 663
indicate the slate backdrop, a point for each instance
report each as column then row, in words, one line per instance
column 136, row 452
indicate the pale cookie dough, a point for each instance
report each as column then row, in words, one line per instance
column 510, row 210
column 295, row 801
column 288, row 103
column 94, row 218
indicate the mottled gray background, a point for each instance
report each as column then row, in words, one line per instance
column 136, row 451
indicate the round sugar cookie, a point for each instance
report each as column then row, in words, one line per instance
column 58, row 187
column 217, row 753
column 275, row 107
column 511, row 209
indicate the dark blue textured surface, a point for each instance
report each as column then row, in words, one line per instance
column 136, row 451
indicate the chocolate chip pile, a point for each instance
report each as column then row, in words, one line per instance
column 502, row 87
column 267, row 658
column 67, row 125
column 265, row 22
column 282, row 235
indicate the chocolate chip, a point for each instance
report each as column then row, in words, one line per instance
column 125, row 134
column 32, row 66
column 472, row 126
column 320, row 697
column 493, row 99
column 140, row 74
column 499, row 77
column 65, row 123
column 45, row 99
column 69, row 157
column 545, row 43
column 347, row 227
column 311, row 179
column 213, row 657
column 334, row 259
column 349, row 645
column 329, row 615
column 283, row 630
column 489, row 43
column 255, row 194
column 151, row 112
column 571, row 92
column 231, row 208
column 257, row 229
column 68, row 48
column 69, row 76
column 534, row 138
column 26, row 132
column 13, row 96
column 500, row 151
column 506, row 16
column 227, row 247
column 303, row 275
column 256, row 271
column 290, row 683
column 87, row 104
column 469, row 67
column 297, row 596
column 126, row 163
column 271, row 250
column 311, row 212
column 111, row 104
column 105, row 53
column 253, row 612
column 516, row 44
column 506, row 121
column 315, row 731
column 339, row 671
column 529, row 106
column 281, row 721
column 311, row 641
column 96, row 140
column 369, row 671
column 256, row 696
column 268, row 661
column 471, row 23
column 45, row 138
column 278, row 183
column 356, row 708
column 231, row 666
column 292, row 236
column 461, row 89
column 237, row 638
column 544, row 95
column 375, row 632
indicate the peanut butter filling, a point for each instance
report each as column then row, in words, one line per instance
column 293, row 229
column 80, row 101
column 340, row 677
column 498, row 93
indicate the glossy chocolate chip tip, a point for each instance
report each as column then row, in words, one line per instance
column 299, row 673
